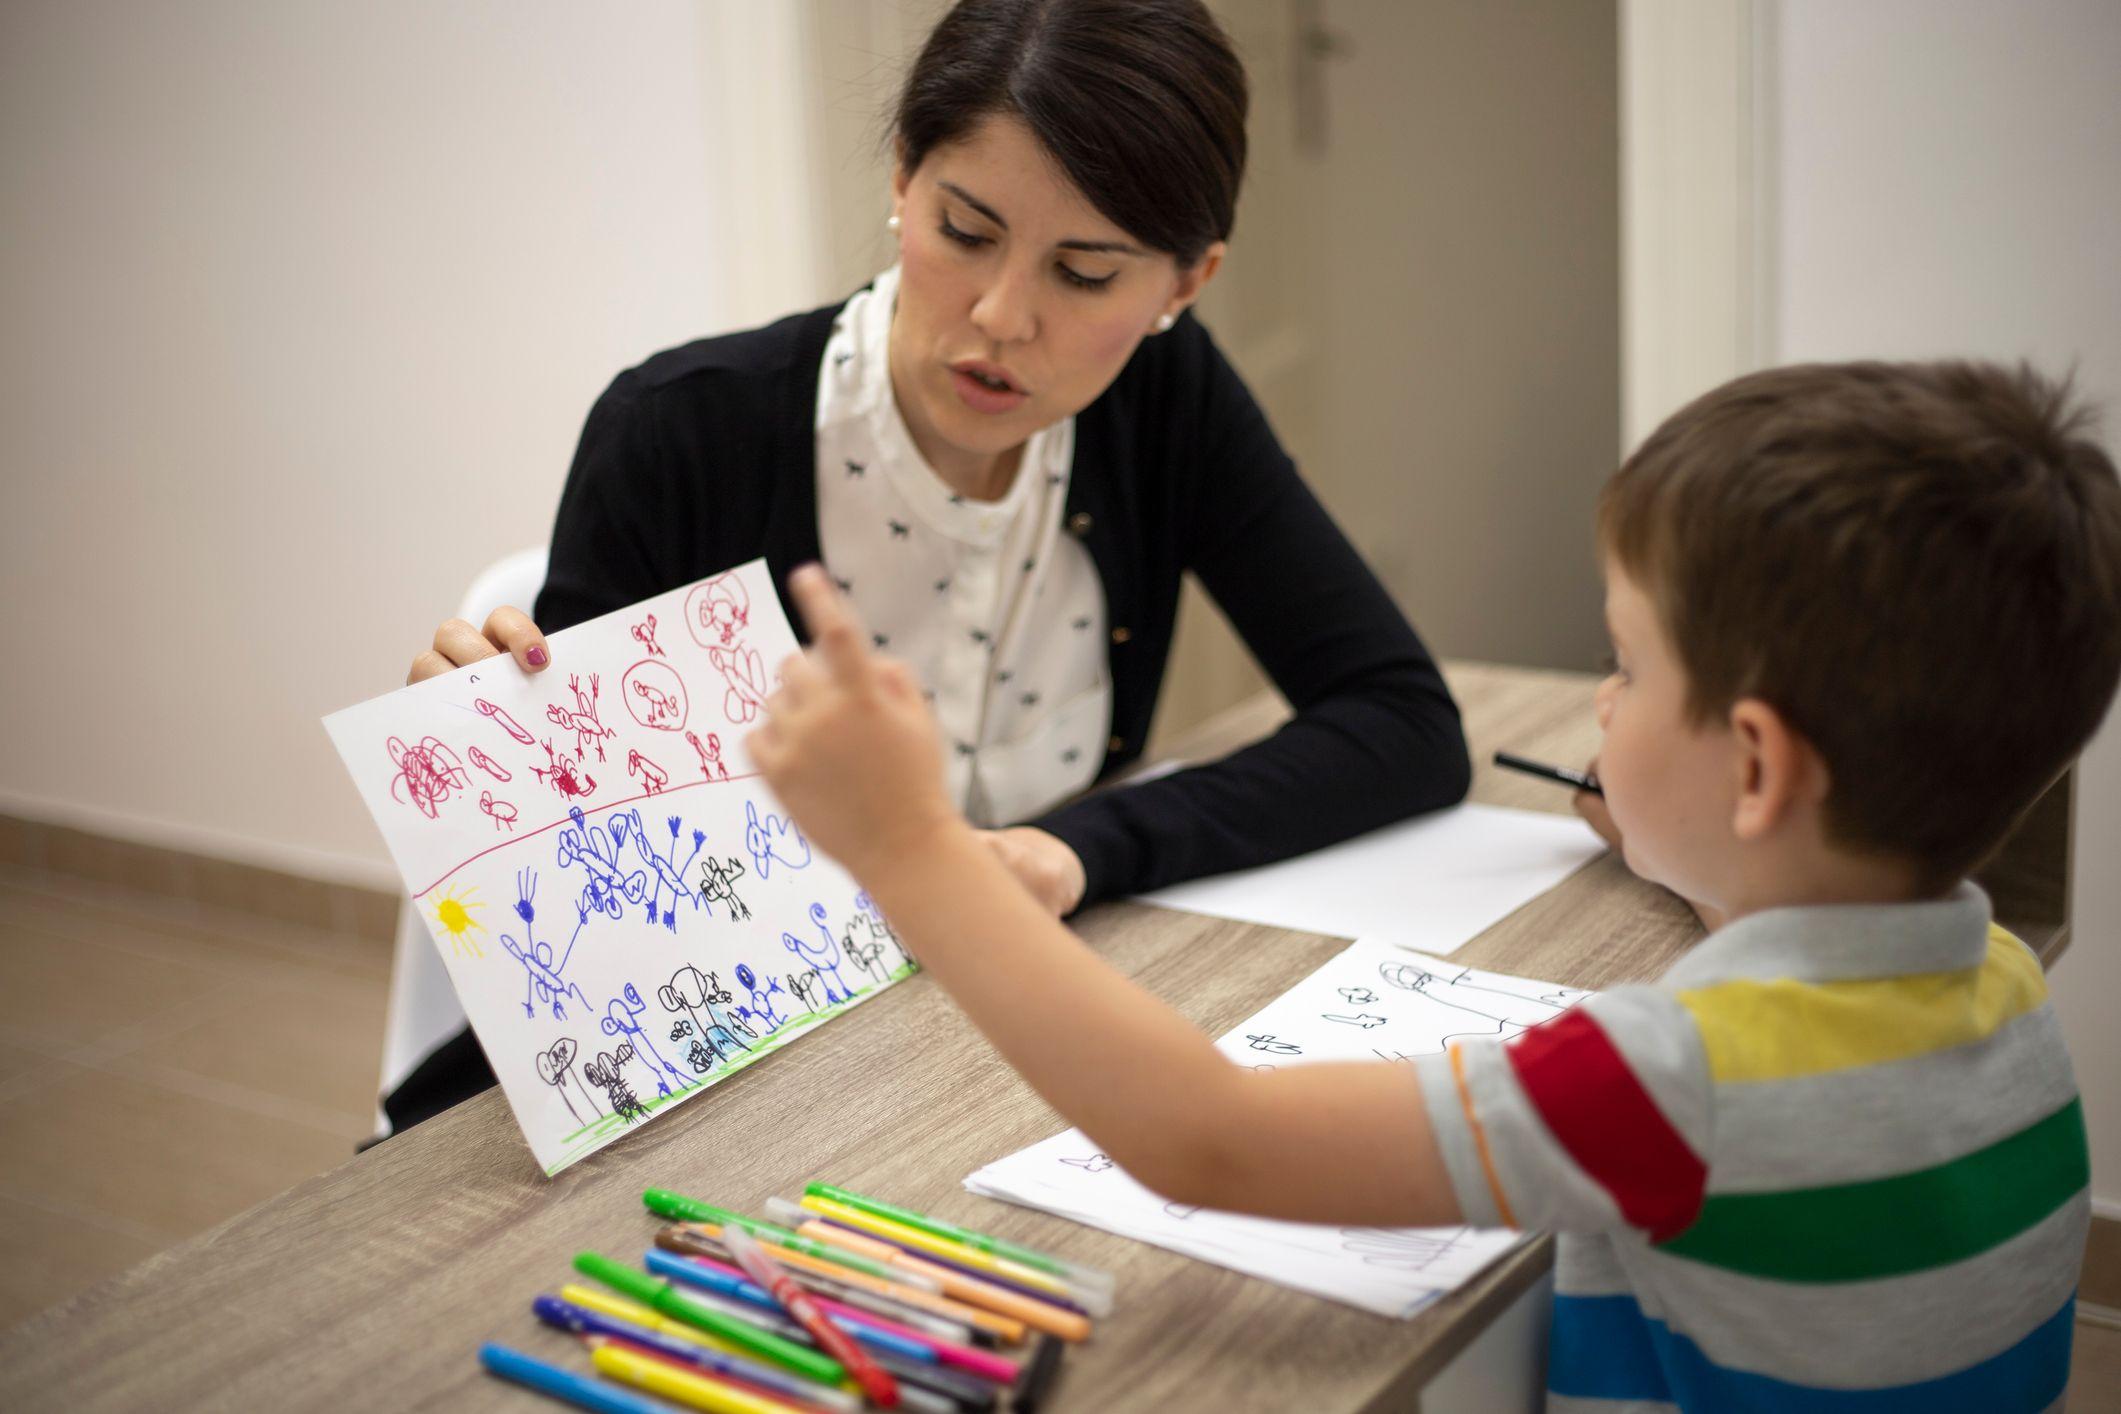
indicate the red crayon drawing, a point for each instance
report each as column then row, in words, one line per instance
column 745, row 672
column 717, row 611
column 564, row 775
column 502, row 812
column 653, row 777
column 487, row 764
column 710, row 756
column 644, row 634
column 505, row 722
column 582, row 721
column 427, row 773
column 655, row 695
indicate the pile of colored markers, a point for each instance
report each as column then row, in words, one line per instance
column 853, row 1304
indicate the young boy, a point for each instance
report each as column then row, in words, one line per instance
column 1834, row 1158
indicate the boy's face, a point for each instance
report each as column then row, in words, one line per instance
column 1671, row 784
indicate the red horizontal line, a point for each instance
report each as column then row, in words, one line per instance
column 568, row 820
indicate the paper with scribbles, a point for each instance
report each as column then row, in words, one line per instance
column 626, row 913
column 1373, row 1001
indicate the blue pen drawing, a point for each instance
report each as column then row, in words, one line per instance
column 622, row 1019
column 544, row 977
column 596, row 848
column 773, row 838
column 1357, row 996
column 1096, row 1163
column 759, row 1008
column 1363, row 1019
column 823, row 956
column 668, row 874
column 1274, row 1045
column 555, row 1066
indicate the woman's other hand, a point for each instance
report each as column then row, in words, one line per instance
column 848, row 745
column 457, row 644
column 1042, row 864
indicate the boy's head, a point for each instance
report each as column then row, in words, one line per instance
column 1880, row 600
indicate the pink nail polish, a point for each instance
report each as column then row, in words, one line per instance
column 535, row 657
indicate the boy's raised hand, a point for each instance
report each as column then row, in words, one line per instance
column 847, row 743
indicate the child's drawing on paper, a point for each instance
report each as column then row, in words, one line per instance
column 644, row 951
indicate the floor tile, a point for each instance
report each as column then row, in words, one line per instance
column 168, row 1163
column 61, row 993
column 2095, row 1369
column 314, row 1040
column 232, row 942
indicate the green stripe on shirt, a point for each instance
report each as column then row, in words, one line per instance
column 1906, row 1223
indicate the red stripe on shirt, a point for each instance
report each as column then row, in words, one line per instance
column 1598, row 1111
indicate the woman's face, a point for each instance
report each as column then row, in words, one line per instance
column 1018, row 301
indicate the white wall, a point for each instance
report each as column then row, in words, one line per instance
column 1947, row 180
column 304, row 305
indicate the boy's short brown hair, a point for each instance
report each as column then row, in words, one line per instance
column 1917, row 564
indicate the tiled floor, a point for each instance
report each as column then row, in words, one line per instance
column 163, row 1066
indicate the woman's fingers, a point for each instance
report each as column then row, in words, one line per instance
column 511, row 630
column 461, row 644
column 834, row 628
column 427, row 664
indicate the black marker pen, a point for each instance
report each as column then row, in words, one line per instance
column 1559, row 775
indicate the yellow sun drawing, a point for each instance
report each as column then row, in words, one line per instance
column 453, row 912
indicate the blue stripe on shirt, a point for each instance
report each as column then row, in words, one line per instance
column 1605, row 1348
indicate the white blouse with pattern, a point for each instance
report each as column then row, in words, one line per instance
column 993, row 604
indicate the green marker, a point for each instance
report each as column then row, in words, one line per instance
column 659, row 1295
column 680, row 1209
column 977, row 1241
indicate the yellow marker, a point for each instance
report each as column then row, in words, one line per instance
column 942, row 1247
column 694, row 1391
column 1007, row 1328
column 618, row 1307
column 1068, row 1325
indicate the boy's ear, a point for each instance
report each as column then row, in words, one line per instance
column 1778, row 770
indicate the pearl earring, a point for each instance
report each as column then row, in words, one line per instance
column 891, row 223
column 1164, row 322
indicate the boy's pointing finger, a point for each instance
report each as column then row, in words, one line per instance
column 834, row 629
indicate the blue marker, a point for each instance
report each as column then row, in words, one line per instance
column 580, row 1320
column 578, row 1390
column 669, row 1264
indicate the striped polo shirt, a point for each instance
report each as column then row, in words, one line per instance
column 1833, row 1160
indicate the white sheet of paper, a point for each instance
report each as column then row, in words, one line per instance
column 624, row 911
column 1373, row 1001
column 1434, row 882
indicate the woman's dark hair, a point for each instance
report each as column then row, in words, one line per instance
column 1141, row 102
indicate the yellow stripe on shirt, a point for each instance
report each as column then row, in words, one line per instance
column 1781, row 1029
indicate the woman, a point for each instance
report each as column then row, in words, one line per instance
column 1007, row 450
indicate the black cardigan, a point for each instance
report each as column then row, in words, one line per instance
column 704, row 457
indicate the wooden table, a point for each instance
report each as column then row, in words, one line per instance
column 371, row 1286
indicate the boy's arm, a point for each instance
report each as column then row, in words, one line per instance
column 1339, row 1142
column 850, row 750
